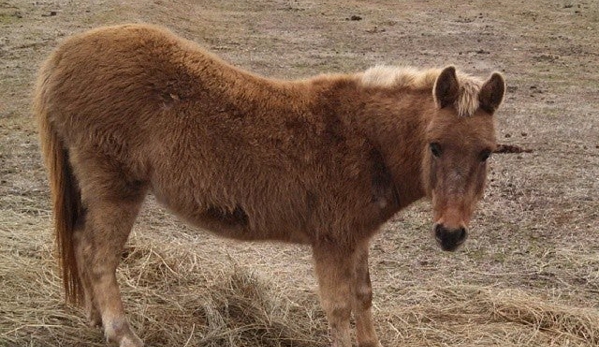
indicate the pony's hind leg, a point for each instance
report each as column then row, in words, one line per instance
column 107, row 227
column 362, row 299
column 111, row 200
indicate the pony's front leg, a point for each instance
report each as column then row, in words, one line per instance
column 362, row 299
column 334, row 271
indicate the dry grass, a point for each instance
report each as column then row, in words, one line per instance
column 482, row 316
column 177, row 297
column 528, row 276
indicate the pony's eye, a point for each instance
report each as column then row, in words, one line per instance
column 485, row 155
column 435, row 149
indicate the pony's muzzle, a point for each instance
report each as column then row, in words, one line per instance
column 449, row 239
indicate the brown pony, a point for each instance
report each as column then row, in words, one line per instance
column 132, row 109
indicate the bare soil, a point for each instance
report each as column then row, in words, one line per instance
column 528, row 275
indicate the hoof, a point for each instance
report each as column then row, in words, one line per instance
column 119, row 331
column 131, row 341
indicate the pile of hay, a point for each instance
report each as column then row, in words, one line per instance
column 179, row 296
column 484, row 316
column 173, row 297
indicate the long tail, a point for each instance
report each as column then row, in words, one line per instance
column 66, row 195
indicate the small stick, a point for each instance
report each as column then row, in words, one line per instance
column 502, row 148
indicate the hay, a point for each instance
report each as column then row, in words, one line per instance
column 173, row 298
column 177, row 297
column 212, row 303
column 485, row 316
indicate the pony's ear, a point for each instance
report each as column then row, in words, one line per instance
column 447, row 88
column 492, row 92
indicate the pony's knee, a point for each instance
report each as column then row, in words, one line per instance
column 363, row 297
column 338, row 312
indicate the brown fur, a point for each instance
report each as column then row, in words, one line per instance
column 324, row 161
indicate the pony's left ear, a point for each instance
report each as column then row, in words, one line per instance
column 492, row 92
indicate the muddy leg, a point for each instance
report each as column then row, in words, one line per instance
column 334, row 271
column 362, row 300
column 107, row 227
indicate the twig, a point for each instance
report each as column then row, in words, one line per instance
column 503, row 148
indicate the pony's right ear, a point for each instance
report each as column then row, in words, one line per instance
column 447, row 88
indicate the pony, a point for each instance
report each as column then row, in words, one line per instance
column 325, row 161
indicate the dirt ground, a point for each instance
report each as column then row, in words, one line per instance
column 534, row 237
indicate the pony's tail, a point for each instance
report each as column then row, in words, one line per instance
column 66, row 196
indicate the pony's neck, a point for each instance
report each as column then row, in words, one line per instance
column 395, row 123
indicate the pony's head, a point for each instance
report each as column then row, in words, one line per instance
column 460, row 138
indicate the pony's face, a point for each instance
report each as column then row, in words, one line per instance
column 460, row 140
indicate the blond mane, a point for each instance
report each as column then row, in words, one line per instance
column 384, row 76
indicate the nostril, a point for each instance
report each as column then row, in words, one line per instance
column 462, row 234
column 438, row 231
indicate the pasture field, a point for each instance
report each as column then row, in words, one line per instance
column 528, row 275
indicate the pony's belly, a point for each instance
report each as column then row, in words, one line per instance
column 236, row 227
column 234, row 224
